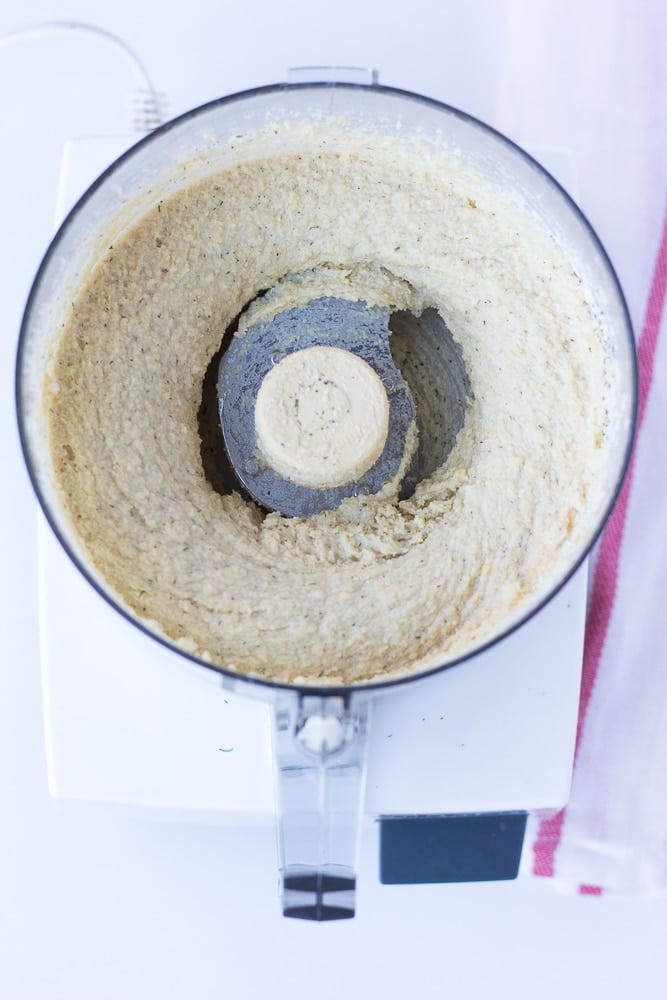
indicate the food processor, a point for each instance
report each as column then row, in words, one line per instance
column 320, row 732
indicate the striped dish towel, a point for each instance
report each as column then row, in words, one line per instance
column 612, row 836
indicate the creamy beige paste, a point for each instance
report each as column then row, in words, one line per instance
column 379, row 586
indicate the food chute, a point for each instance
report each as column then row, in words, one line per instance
column 319, row 732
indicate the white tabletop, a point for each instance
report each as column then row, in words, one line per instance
column 97, row 902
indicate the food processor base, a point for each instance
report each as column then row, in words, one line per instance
column 131, row 723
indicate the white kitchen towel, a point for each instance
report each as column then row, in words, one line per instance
column 613, row 833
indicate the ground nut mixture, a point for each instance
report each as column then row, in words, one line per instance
column 378, row 586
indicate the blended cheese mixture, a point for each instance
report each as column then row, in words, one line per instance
column 381, row 585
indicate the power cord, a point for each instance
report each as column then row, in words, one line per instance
column 147, row 104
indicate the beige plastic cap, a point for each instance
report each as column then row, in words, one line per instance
column 321, row 417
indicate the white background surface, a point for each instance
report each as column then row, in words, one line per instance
column 99, row 904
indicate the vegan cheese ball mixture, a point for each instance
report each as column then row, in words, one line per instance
column 379, row 586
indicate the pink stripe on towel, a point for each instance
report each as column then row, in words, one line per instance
column 605, row 577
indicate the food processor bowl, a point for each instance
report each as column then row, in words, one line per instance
column 320, row 730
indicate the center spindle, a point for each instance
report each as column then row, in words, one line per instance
column 321, row 417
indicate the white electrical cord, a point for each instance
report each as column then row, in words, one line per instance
column 147, row 103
